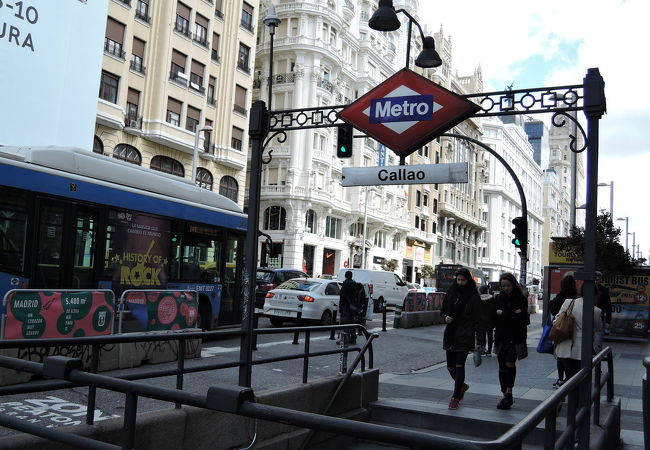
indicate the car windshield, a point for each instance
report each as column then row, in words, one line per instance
column 299, row 285
column 263, row 275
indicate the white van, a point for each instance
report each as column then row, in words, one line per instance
column 384, row 286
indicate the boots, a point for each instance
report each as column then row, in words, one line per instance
column 506, row 402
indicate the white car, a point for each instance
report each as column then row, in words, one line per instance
column 317, row 296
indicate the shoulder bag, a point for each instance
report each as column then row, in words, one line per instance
column 562, row 328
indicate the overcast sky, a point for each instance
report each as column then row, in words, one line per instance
column 553, row 43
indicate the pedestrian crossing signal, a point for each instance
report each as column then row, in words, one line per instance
column 344, row 141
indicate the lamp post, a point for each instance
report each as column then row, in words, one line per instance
column 385, row 19
column 365, row 230
column 633, row 244
column 195, row 159
column 611, row 196
column 627, row 231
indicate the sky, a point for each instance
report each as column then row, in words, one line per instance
column 553, row 43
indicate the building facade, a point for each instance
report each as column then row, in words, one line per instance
column 171, row 71
column 503, row 201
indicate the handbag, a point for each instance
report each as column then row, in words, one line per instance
column 562, row 328
column 545, row 345
column 477, row 356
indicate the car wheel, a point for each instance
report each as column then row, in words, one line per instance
column 326, row 318
column 276, row 321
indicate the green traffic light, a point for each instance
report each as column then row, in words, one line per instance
column 517, row 243
column 343, row 149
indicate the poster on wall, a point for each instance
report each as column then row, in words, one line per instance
column 50, row 68
column 141, row 257
column 41, row 314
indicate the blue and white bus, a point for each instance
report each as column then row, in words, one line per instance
column 73, row 219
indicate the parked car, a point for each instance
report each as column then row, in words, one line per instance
column 317, row 296
column 414, row 287
column 268, row 279
column 384, row 286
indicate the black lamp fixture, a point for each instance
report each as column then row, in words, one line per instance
column 271, row 20
column 385, row 19
column 428, row 57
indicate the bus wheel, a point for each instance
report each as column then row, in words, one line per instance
column 205, row 314
column 276, row 321
column 326, row 319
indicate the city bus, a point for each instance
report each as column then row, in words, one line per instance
column 74, row 219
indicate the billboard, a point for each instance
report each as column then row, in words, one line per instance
column 50, row 66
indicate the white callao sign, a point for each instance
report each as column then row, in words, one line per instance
column 50, row 65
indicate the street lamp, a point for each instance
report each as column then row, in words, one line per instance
column 611, row 196
column 633, row 244
column 272, row 21
column 365, row 230
column 626, row 219
column 197, row 136
column 385, row 19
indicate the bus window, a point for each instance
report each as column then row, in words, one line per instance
column 50, row 242
column 13, row 229
column 84, row 261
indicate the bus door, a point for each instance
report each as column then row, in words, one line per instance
column 231, row 293
column 65, row 247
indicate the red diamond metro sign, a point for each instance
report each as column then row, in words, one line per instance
column 407, row 111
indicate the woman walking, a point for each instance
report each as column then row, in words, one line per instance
column 567, row 291
column 460, row 311
column 510, row 319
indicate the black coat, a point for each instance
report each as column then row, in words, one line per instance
column 349, row 301
column 465, row 310
column 510, row 327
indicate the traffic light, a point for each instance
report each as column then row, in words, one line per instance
column 344, row 141
column 521, row 234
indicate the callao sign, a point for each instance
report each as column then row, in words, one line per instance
column 407, row 111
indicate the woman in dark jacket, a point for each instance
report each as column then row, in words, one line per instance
column 568, row 290
column 460, row 311
column 510, row 320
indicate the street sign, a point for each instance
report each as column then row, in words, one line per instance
column 407, row 111
column 417, row 174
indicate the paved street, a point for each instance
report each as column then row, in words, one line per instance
column 412, row 368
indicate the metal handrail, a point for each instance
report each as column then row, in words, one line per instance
column 646, row 400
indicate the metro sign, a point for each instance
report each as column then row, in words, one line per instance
column 407, row 111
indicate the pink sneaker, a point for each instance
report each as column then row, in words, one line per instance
column 453, row 403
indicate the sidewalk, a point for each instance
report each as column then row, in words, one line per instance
column 535, row 377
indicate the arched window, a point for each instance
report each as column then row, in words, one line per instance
column 127, row 153
column 275, row 218
column 310, row 221
column 229, row 188
column 167, row 165
column 204, row 178
column 98, row 145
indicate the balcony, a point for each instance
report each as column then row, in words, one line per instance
column 178, row 77
column 202, row 41
column 364, row 16
column 214, row 55
column 124, row 2
column 240, row 110
column 197, row 88
column 142, row 15
column 247, row 26
column 113, row 48
column 132, row 121
column 183, row 29
column 218, row 14
column 243, row 65
column 257, row 83
column 325, row 84
column 138, row 67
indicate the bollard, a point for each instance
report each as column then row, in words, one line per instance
column 343, row 356
column 383, row 315
column 336, row 308
column 256, row 324
column 398, row 316
column 299, row 324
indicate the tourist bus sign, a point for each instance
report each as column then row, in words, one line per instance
column 407, row 111
column 413, row 174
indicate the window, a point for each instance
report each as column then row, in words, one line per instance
column 425, row 200
column 396, row 241
column 183, row 13
column 435, row 205
column 174, row 108
column 423, row 225
column 247, row 17
column 98, row 145
column 114, row 39
column 237, row 138
column 108, row 87
column 333, row 227
column 275, row 218
column 137, row 56
column 434, row 225
column 418, row 198
column 127, row 153
column 243, row 58
column 240, row 100
column 212, row 81
column 218, row 9
column 201, row 30
column 417, row 222
column 177, row 73
column 216, row 39
column 142, row 10
column 380, row 239
column 193, row 119
column 204, row 178
column 167, row 165
column 310, row 221
column 132, row 105
column 196, row 76
column 229, row 188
